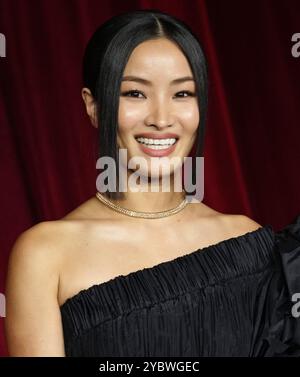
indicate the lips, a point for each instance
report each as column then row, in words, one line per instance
column 157, row 152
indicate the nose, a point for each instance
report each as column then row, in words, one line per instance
column 159, row 115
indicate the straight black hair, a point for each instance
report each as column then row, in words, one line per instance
column 104, row 61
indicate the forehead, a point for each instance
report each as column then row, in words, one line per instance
column 159, row 57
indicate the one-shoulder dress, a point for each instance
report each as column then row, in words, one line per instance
column 239, row 297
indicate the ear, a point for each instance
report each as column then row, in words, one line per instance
column 90, row 105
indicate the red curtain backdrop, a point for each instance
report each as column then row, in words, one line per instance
column 47, row 152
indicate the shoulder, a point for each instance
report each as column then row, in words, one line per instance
column 32, row 323
column 220, row 226
column 46, row 240
column 35, row 251
column 36, row 264
column 42, row 248
column 40, row 238
column 245, row 223
column 48, row 245
column 49, row 242
column 34, row 240
column 236, row 224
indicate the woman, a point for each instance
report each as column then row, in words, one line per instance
column 167, row 277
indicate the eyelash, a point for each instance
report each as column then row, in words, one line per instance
column 125, row 94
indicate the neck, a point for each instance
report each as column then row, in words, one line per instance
column 150, row 201
column 151, row 197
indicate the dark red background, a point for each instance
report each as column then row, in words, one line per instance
column 47, row 153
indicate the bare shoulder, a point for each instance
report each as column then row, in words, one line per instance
column 245, row 223
column 32, row 324
column 35, row 260
column 230, row 223
column 44, row 244
column 33, row 243
column 39, row 242
column 235, row 225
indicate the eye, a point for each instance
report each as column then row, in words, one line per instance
column 135, row 93
column 130, row 92
column 191, row 94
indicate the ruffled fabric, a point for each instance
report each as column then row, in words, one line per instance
column 228, row 299
column 279, row 311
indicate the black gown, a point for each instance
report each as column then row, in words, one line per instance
column 235, row 298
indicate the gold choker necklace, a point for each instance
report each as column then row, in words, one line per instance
column 144, row 215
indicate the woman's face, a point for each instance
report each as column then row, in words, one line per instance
column 157, row 107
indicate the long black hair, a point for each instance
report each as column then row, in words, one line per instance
column 104, row 61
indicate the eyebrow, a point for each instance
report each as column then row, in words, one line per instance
column 147, row 82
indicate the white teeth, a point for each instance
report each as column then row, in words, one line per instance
column 158, row 146
column 156, row 142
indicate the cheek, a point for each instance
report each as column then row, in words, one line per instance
column 190, row 119
column 129, row 115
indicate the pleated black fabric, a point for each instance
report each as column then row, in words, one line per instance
column 233, row 298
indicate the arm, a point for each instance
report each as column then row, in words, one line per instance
column 33, row 324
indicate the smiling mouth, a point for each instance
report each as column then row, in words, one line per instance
column 157, row 144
